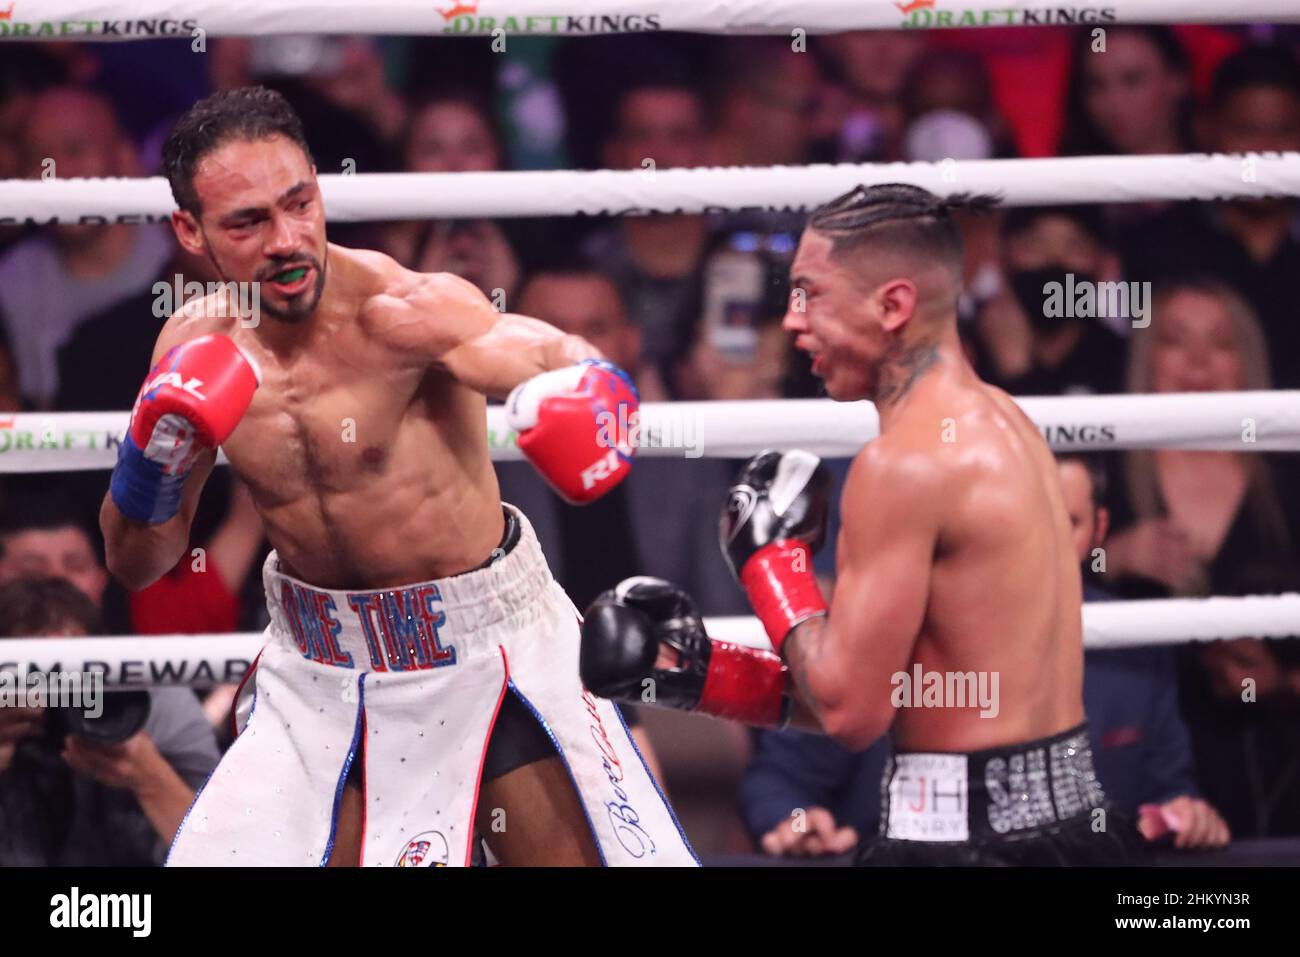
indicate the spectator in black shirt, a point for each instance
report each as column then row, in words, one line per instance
column 1201, row 523
column 1242, row 700
column 656, row 261
column 1024, row 346
column 126, row 332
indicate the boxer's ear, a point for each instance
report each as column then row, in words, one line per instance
column 188, row 233
column 897, row 299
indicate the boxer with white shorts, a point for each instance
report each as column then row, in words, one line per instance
column 419, row 682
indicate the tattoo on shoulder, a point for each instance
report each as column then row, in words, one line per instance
column 902, row 368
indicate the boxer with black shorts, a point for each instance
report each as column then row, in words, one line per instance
column 956, row 571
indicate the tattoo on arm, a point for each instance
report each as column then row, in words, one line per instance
column 802, row 651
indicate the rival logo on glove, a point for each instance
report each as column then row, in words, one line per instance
column 174, row 380
column 558, row 415
column 178, row 414
column 600, row 470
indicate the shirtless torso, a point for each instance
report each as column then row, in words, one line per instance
column 365, row 450
column 955, row 553
column 955, row 619
column 980, row 492
column 368, row 464
column 351, row 400
column 365, row 446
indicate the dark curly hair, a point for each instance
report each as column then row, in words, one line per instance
column 249, row 113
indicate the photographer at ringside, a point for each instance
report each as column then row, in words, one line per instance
column 80, row 790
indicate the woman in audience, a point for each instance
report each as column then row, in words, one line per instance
column 1188, row 521
column 1131, row 98
column 1215, row 523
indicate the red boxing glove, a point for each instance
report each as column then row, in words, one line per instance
column 193, row 399
column 746, row 684
column 575, row 426
column 774, row 521
column 209, row 382
column 625, row 632
column 782, row 588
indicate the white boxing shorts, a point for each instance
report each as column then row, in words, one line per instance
column 419, row 674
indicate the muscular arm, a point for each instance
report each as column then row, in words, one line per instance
column 448, row 322
column 512, row 350
column 136, row 554
column 841, row 664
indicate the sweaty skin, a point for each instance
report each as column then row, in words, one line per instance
column 955, row 550
column 365, row 446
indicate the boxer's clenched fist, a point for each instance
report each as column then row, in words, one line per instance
column 191, row 401
column 643, row 642
column 809, row 833
column 774, row 520
column 569, row 424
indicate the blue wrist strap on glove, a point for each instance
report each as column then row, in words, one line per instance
column 610, row 367
column 140, row 489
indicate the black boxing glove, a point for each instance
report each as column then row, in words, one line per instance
column 775, row 519
column 624, row 631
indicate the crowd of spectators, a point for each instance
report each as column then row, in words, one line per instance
column 691, row 305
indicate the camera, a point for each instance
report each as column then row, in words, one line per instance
column 122, row 715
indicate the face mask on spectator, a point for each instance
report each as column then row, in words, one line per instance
column 1031, row 288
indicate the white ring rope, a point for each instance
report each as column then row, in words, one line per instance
column 1122, row 624
column 201, row 660
column 362, row 197
column 146, row 19
column 1204, row 421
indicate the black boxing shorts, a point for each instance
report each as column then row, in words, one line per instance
column 1033, row 804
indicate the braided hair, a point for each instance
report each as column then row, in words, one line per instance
column 898, row 217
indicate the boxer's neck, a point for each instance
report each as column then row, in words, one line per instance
column 909, row 362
